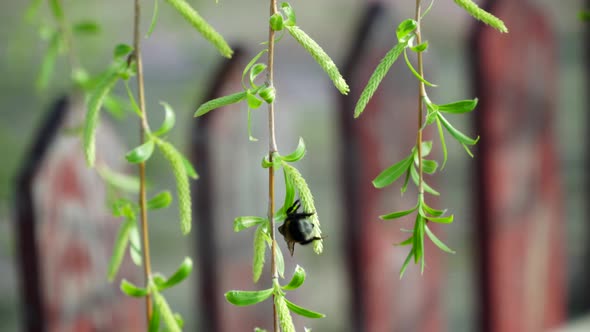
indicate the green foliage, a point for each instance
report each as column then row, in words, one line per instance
column 260, row 237
column 202, row 26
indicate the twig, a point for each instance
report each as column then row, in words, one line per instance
column 421, row 95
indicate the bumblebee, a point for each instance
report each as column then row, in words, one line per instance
column 296, row 228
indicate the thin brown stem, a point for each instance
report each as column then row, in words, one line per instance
column 421, row 95
column 272, row 148
column 142, row 133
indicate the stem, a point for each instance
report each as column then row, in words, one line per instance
column 421, row 95
column 272, row 148
column 144, row 128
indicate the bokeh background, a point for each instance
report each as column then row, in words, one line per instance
column 179, row 64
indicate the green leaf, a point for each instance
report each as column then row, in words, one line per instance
column 179, row 320
column 56, row 9
column 220, row 102
column 398, row 214
column 141, row 153
column 420, row 47
column 416, row 74
column 32, row 10
column 429, row 166
column 406, row 262
column 461, row 106
column 169, row 120
column 206, row 30
column 132, row 290
column 256, row 70
column 430, row 211
column 427, row 188
column 406, row 242
column 377, row 77
column 320, row 57
column 443, row 144
column 154, row 19
column 418, row 238
column 260, row 238
column 289, row 195
column 160, row 201
column 481, row 15
column 122, row 50
column 297, row 154
column 241, row 223
column 404, row 187
column 167, row 315
column 132, row 101
column 290, row 13
column 116, row 106
column 459, row 136
column 426, row 148
column 250, row 64
column 178, row 165
column 392, row 173
column 123, row 207
column 404, row 29
column 49, row 59
column 95, row 101
column 119, row 248
column 276, row 22
column 135, row 245
column 253, row 101
column 436, row 241
column 190, row 170
column 120, row 181
column 250, row 137
column 584, row 15
column 280, row 261
column 86, row 27
column 297, row 279
column 183, row 271
column 268, row 94
column 303, row 311
column 245, row 298
column 442, row 220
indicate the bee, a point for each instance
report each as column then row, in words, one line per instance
column 296, row 228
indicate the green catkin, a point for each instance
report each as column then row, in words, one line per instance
column 306, row 202
column 259, row 251
column 377, row 77
column 320, row 57
column 285, row 319
column 182, row 184
column 479, row 14
column 220, row 102
column 208, row 32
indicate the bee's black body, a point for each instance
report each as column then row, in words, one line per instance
column 296, row 228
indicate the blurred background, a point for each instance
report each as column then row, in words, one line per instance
column 355, row 282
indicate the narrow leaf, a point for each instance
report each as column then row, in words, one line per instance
column 405, row 28
column 297, row 279
column 132, row 290
column 436, row 241
column 183, row 271
column 49, row 59
column 250, row 64
column 121, row 50
column 377, row 77
column 461, row 106
column 320, row 57
column 406, row 263
column 416, row 74
column 190, row 170
column 303, row 311
column 398, row 214
column 119, row 248
column 169, row 120
column 297, row 154
column 220, row 102
column 160, row 201
column 245, row 298
column 479, row 14
column 154, row 19
column 406, row 242
column 141, row 153
column 416, row 179
column 120, row 181
column 86, row 27
column 443, row 144
column 135, row 245
column 241, row 223
column 429, row 166
column 56, row 9
column 442, row 220
column 459, row 136
column 392, row 173
column 288, row 10
column 206, row 30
